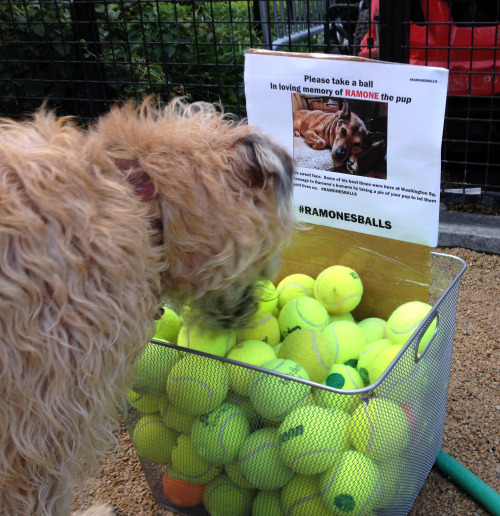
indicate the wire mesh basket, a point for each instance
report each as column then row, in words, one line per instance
column 219, row 437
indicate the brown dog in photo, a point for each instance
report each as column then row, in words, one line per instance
column 98, row 229
column 344, row 132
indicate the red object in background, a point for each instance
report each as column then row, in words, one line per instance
column 470, row 53
column 410, row 414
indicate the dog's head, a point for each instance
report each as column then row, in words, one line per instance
column 348, row 134
column 225, row 193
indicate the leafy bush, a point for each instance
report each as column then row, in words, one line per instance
column 164, row 47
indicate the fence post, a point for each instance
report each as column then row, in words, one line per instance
column 85, row 27
column 394, row 30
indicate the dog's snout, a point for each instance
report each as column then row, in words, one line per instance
column 340, row 154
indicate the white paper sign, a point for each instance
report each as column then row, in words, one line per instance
column 365, row 137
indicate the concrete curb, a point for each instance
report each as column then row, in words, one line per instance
column 473, row 231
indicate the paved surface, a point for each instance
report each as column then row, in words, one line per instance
column 473, row 231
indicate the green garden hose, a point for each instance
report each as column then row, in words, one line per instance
column 472, row 485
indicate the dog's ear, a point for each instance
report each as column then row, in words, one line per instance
column 260, row 162
column 345, row 114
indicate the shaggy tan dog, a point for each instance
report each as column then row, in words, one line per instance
column 97, row 229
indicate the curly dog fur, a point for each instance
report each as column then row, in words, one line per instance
column 87, row 259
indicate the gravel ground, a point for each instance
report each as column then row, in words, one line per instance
column 471, row 433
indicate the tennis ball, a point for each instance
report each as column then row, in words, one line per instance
column 373, row 328
column 341, row 317
column 273, row 397
column 213, row 341
column 177, row 420
column 152, row 439
column 267, row 295
column 253, row 352
column 224, row 498
column 245, row 406
column 167, row 327
column 197, row 384
column 403, row 322
column 146, row 403
column 302, row 313
column 152, row 368
column 261, row 326
column 293, row 286
column 379, row 428
column 339, row 289
column 218, row 436
column 260, row 462
column 381, row 362
column 311, row 350
column 233, row 471
column 301, row 497
column 312, row 438
column 343, row 377
column 393, row 481
column 347, row 340
column 180, row 492
column 352, row 486
column 267, row 503
column 188, row 465
column 369, row 353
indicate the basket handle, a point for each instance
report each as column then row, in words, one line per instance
column 424, row 326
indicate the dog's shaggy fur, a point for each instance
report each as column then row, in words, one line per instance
column 88, row 256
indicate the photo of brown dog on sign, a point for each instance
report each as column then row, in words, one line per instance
column 343, row 132
column 340, row 135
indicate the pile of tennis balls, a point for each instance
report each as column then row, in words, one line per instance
column 244, row 442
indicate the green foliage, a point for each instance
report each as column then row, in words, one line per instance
column 167, row 48
column 161, row 47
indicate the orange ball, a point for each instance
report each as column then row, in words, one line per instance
column 180, row 492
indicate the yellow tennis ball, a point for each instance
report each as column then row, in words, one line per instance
column 176, row 419
column 197, row 384
column 352, row 486
column 146, row 403
column 403, row 322
column 218, row 436
column 246, row 407
column 301, row 497
column 343, row 377
column 393, row 481
column 213, row 341
column 369, row 353
column 347, row 340
column 377, row 367
column 152, row 439
column 339, row 289
column 260, row 462
column 261, row 326
column 379, row 429
column 311, row 350
column 234, row 473
column 311, row 439
column 267, row 503
column 224, row 498
column 253, row 352
column 167, row 327
column 341, row 317
column 293, row 286
column 189, row 465
column 302, row 313
column 374, row 328
column 267, row 295
column 273, row 397
column 153, row 367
